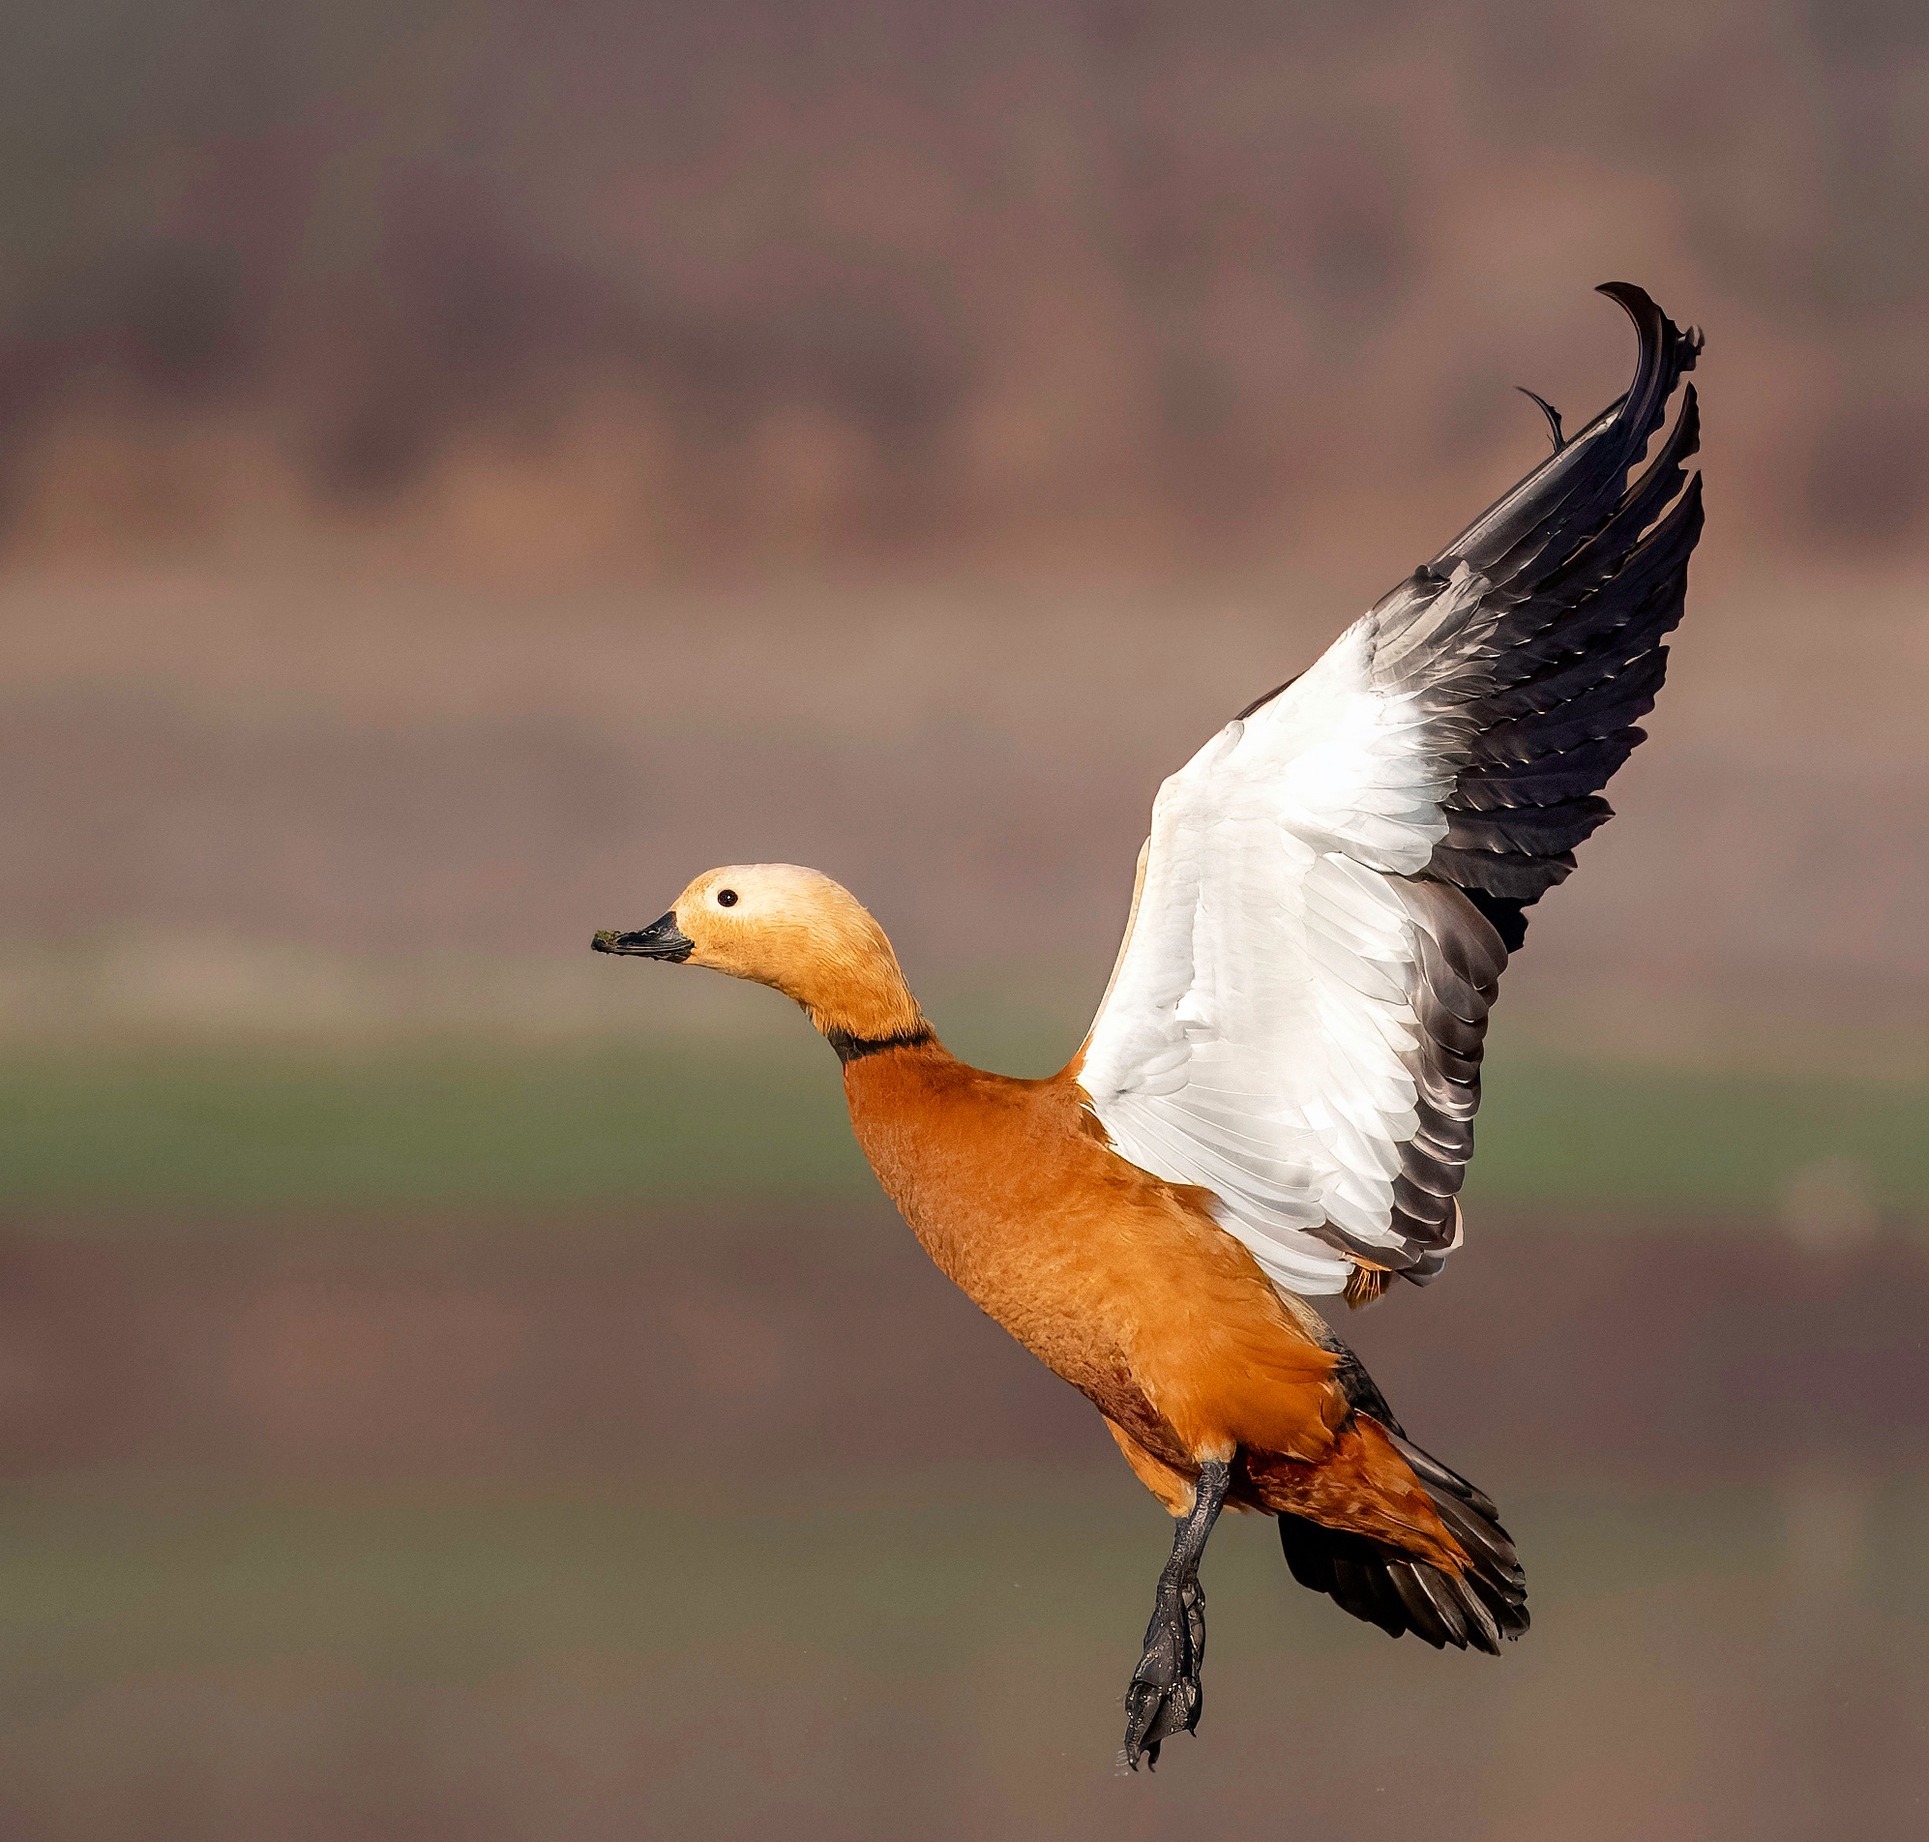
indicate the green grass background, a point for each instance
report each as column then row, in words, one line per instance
column 461, row 1127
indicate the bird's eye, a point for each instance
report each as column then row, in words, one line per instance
column 726, row 898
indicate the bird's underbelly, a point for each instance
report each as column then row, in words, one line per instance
column 1118, row 1283
column 1161, row 1322
column 1034, row 1278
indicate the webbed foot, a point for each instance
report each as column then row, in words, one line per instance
column 1165, row 1696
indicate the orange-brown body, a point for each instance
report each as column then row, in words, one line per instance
column 1127, row 1288
column 1121, row 1283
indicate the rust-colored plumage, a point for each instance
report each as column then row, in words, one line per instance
column 1127, row 1288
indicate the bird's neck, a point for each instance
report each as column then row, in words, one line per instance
column 852, row 1048
column 864, row 1005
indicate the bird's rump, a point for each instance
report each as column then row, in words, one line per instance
column 1333, row 883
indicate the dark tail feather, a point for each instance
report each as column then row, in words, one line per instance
column 1398, row 1593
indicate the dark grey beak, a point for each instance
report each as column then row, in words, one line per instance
column 662, row 939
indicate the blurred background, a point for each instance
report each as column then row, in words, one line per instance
column 468, row 465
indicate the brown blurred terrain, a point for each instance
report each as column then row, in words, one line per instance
column 468, row 465
column 727, row 1526
column 652, row 286
column 760, row 1349
column 217, row 793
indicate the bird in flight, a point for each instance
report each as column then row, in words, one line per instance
column 1275, row 1102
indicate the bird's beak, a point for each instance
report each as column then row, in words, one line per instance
column 662, row 939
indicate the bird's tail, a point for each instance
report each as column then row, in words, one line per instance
column 1398, row 1592
column 1378, row 1581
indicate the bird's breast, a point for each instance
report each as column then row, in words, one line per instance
column 1118, row 1284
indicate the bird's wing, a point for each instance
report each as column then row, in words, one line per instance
column 1333, row 883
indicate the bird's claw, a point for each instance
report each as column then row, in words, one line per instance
column 1165, row 1696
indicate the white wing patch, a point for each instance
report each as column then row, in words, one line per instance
column 1253, row 1039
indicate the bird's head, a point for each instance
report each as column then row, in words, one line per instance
column 793, row 929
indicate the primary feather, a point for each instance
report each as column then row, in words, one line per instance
column 1333, row 883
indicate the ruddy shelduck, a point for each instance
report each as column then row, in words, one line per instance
column 1276, row 1099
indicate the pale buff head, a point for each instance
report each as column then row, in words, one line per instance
column 793, row 929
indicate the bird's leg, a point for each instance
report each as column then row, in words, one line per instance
column 1165, row 1696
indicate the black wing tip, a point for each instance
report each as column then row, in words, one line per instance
column 1650, row 321
column 1541, row 542
column 1548, row 410
column 1580, row 481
